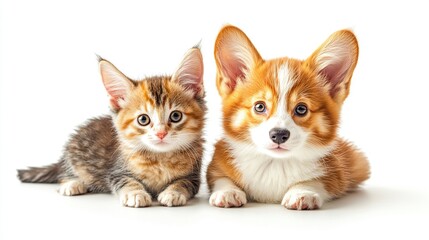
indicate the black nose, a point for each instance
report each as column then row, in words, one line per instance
column 279, row 135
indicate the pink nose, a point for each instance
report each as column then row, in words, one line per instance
column 161, row 134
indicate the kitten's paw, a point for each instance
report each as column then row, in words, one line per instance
column 135, row 198
column 172, row 198
column 297, row 199
column 228, row 198
column 72, row 187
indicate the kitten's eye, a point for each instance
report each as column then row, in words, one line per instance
column 143, row 120
column 175, row 116
column 301, row 110
column 259, row 107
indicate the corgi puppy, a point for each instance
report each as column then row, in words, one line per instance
column 280, row 120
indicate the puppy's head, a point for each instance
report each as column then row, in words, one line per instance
column 283, row 107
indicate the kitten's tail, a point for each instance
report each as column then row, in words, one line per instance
column 47, row 174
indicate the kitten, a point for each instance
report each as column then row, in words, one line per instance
column 151, row 146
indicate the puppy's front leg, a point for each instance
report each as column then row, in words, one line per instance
column 305, row 196
column 227, row 194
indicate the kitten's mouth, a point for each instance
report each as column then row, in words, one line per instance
column 160, row 145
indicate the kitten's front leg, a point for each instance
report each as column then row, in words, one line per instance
column 305, row 196
column 131, row 192
column 72, row 187
column 227, row 194
column 180, row 191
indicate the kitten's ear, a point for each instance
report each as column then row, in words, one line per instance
column 335, row 61
column 190, row 72
column 118, row 86
column 235, row 56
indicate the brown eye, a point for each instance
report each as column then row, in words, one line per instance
column 175, row 116
column 259, row 107
column 143, row 120
column 301, row 110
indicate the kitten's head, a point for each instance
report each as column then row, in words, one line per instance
column 162, row 113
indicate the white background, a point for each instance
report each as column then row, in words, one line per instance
column 50, row 84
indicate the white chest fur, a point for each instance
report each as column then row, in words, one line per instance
column 267, row 179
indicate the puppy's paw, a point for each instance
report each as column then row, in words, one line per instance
column 72, row 187
column 228, row 198
column 297, row 199
column 171, row 198
column 135, row 198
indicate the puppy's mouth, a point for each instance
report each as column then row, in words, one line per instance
column 278, row 148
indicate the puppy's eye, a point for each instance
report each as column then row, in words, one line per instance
column 301, row 110
column 143, row 120
column 175, row 116
column 259, row 107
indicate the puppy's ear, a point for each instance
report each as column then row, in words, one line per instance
column 235, row 56
column 117, row 85
column 189, row 74
column 335, row 61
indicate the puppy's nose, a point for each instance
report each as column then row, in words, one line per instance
column 279, row 135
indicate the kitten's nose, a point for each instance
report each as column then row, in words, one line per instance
column 279, row 135
column 161, row 134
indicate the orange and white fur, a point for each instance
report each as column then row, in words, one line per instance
column 280, row 120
